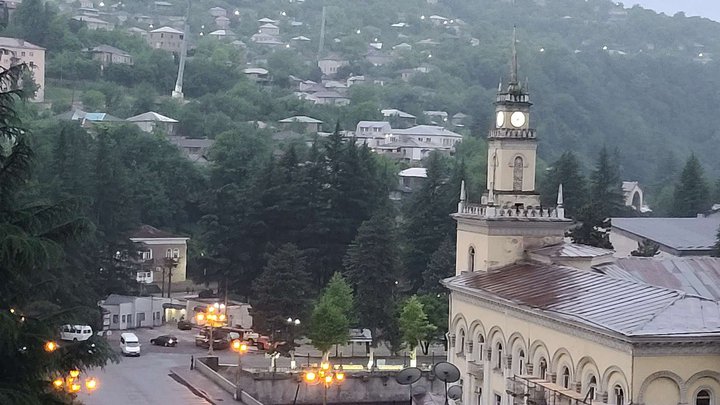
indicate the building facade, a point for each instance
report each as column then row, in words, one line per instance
column 163, row 256
column 15, row 51
column 166, row 38
column 530, row 322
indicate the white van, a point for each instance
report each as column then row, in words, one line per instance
column 129, row 344
column 75, row 332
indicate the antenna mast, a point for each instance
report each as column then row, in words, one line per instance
column 177, row 92
column 321, row 47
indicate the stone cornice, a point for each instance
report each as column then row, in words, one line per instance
column 511, row 226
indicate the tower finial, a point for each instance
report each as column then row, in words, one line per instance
column 514, row 67
column 463, row 197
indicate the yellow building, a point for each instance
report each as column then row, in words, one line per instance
column 532, row 322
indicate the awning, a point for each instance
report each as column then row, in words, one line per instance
column 168, row 305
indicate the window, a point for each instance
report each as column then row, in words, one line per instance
column 115, row 319
column 543, row 368
column 566, row 377
column 619, row 395
column 702, row 397
column 499, row 350
column 461, row 347
column 141, row 316
column 176, row 253
column 481, row 345
column 518, row 173
column 162, row 35
column 521, row 362
column 32, row 54
column 168, row 253
column 129, row 319
column 22, row 53
column 471, row 259
column 498, row 399
column 147, row 255
column 123, row 319
column 592, row 387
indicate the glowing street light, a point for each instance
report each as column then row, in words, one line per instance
column 326, row 375
column 50, row 346
column 214, row 318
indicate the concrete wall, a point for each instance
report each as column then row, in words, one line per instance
column 128, row 313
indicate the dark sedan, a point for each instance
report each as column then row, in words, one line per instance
column 164, row 340
column 184, row 325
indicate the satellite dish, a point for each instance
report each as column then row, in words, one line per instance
column 408, row 376
column 455, row 392
column 446, row 372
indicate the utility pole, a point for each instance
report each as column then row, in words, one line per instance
column 177, row 92
column 321, row 47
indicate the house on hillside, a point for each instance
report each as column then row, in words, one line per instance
column 163, row 256
column 87, row 119
column 436, row 117
column 269, row 29
column 417, row 142
column 108, row 55
column 330, row 64
column 372, row 133
column 398, row 119
column 166, row 38
column 218, row 12
column 257, row 74
column 266, row 39
column 15, row 51
column 152, row 121
column 330, row 97
column 301, row 123
column 195, row 149
column 377, row 57
column 222, row 34
column 94, row 23
column 222, row 22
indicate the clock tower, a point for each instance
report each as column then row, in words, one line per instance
column 512, row 146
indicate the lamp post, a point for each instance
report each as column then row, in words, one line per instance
column 325, row 375
column 213, row 317
column 292, row 323
column 240, row 348
column 71, row 383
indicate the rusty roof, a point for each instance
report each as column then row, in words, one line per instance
column 630, row 308
column 150, row 232
column 696, row 275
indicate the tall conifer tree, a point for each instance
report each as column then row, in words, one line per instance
column 692, row 194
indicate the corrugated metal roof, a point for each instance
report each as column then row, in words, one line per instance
column 697, row 275
column 572, row 250
column 681, row 234
column 631, row 308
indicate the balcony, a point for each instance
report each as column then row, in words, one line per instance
column 505, row 133
column 535, row 391
column 145, row 277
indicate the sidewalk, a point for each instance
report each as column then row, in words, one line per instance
column 201, row 386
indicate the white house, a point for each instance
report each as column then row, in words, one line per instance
column 330, row 64
column 372, row 133
column 269, row 29
column 151, row 120
column 129, row 312
column 417, row 142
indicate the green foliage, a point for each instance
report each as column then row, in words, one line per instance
column 441, row 266
column 414, row 324
column 568, row 172
column 329, row 324
column 372, row 266
column 436, row 307
column 282, row 290
column 339, row 294
column 646, row 248
column 691, row 192
column 93, row 100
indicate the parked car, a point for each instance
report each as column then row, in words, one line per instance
column 129, row 344
column 184, row 325
column 75, row 332
column 164, row 340
column 219, row 343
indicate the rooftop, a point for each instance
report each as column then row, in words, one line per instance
column 427, row 130
column 681, row 236
column 300, row 118
column 109, row 49
column 151, row 116
column 17, row 43
column 391, row 112
column 595, row 301
column 572, row 250
column 694, row 275
column 150, row 232
column 414, row 172
column 183, row 142
column 167, row 30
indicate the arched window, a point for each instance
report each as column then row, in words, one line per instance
column 498, row 363
column 566, row 377
column 471, row 259
column 592, row 388
column 543, row 368
column 168, row 253
column 518, row 173
column 461, row 346
column 521, row 362
column 619, row 395
column 481, row 346
column 703, row 398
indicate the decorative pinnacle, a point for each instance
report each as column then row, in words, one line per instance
column 514, row 64
column 560, row 196
column 463, row 194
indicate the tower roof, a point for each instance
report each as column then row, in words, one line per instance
column 514, row 86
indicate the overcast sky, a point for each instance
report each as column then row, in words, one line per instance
column 703, row 8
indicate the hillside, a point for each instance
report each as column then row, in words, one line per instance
column 599, row 74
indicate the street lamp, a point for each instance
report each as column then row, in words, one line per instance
column 240, row 348
column 71, row 383
column 292, row 323
column 325, row 375
column 214, row 318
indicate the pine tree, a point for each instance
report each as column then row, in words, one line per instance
column 441, row 266
column 692, row 194
column 371, row 264
column 329, row 323
column 340, row 294
column 282, row 290
column 427, row 220
column 566, row 171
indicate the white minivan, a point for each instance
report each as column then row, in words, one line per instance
column 129, row 344
column 75, row 332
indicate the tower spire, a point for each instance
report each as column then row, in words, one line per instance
column 514, row 63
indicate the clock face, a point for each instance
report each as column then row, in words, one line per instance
column 517, row 119
column 500, row 120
